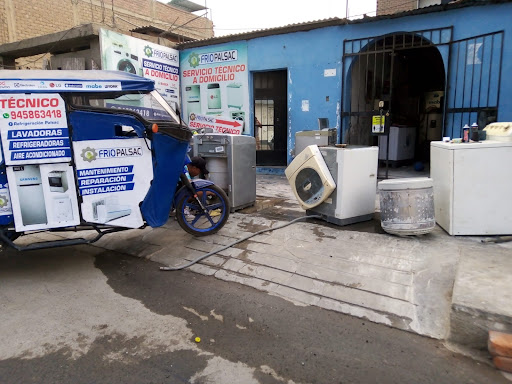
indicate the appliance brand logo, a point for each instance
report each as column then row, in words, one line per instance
column 193, row 60
column 29, row 178
column 3, row 201
column 90, row 154
column 148, row 51
column 24, row 85
column 153, row 52
column 212, row 57
column 72, row 85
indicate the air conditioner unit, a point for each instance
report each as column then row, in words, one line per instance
column 108, row 209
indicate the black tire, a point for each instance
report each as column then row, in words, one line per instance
column 197, row 222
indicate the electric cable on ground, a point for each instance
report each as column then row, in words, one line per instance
column 236, row 242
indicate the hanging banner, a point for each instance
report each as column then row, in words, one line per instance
column 34, row 129
column 43, row 196
column 6, row 216
column 215, row 84
column 125, row 53
column 113, row 179
column 217, row 124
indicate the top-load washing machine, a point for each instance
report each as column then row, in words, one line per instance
column 213, row 94
column 235, row 95
column 310, row 178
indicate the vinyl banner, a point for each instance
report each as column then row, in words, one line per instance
column 113, row 179
column 34, row 129
column 129, row 54
column 5, row 201
column 43, row 196
column 215, row 84
column 217, row 124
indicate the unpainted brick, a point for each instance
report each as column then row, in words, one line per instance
column 503, row 363
column 500, row 344
column 36, row 19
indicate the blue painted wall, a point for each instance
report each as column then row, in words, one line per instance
column 305, row 55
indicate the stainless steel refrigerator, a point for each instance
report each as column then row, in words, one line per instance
column 30, row 192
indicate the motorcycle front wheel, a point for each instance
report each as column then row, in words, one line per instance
column 198, row 222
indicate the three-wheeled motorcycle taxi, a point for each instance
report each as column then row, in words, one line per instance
column 98, row 150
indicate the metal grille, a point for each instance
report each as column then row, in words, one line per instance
column 474, row 82
column 371, row 62
column 264, row 124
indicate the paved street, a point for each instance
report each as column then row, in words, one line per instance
column 83, row 314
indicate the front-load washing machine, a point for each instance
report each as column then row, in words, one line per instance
column 354, row 170
column 310, row 178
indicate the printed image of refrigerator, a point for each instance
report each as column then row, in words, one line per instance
column 193, row 99
column 30, row 193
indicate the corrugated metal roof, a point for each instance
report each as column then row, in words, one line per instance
column 150, row 29
column 335, row 21
column 186, row 5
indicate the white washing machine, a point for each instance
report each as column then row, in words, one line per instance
column 354, row 170
column 472, row 187
column 310, row 178
column 235, row 95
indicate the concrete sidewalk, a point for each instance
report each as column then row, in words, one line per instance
column 449, row 288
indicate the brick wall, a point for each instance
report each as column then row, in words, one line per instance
column 387, row 7
column 21, row 19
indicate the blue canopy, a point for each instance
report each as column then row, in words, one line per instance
column 12, row 81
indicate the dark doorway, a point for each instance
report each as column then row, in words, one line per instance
column 406, row 73
column 270, row 115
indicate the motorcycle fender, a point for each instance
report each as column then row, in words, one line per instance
column 198, row 185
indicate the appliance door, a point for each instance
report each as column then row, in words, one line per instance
column 55, row 183
column 32, row 205
column 194, row 107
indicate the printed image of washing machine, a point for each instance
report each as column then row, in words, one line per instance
column 125, row 60
column 239, row 116
column 128, row 63
column 213, row 94
column 235, row 95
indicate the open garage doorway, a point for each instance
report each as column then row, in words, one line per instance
column 405, row 74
